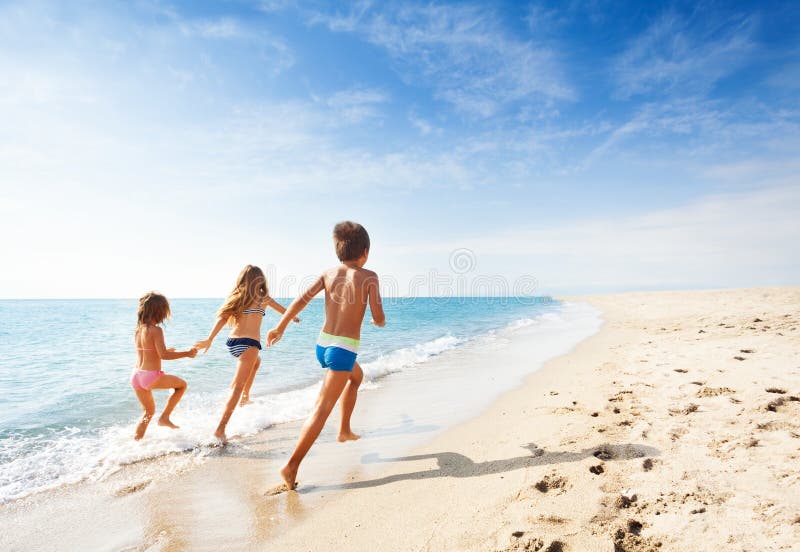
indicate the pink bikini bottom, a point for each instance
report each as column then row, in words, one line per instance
column 144, row 379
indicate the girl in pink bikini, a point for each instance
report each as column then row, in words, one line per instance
column 150, row 351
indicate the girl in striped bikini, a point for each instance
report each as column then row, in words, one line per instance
column 243, row 311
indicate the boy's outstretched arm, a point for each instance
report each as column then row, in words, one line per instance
column 375, row 304
column 278, row 307
column 274, row 335
column 206, row 343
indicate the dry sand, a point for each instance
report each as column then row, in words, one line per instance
column 676, row 427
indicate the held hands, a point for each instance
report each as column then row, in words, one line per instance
column 205, row 345
column 191, row 353
column 273, row 336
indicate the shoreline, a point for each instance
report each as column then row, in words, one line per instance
column 658, row 383
column 63, row 444
column 393, row 418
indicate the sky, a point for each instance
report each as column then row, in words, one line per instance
column 488, row 147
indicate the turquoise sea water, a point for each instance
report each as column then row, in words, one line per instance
column 68, row 409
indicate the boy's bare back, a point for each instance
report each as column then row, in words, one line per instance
column 348, row 291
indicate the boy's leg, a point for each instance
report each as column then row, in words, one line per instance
column 149, row 406
column 179, row 388
column 246, row 392
column 243, row 368
column 332, row 388
column 349, row 397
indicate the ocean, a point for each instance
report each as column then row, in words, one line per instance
column 68, row 410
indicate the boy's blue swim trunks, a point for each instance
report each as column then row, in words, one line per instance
column 336, row 352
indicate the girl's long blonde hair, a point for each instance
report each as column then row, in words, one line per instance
column 251, row 287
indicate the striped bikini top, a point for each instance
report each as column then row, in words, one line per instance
column 262, row 312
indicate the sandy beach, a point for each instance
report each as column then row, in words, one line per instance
column 675, row 427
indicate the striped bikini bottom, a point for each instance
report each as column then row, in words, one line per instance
column 238, row 345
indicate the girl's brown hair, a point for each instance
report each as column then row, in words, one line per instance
column 153, row 309
column 251, row 287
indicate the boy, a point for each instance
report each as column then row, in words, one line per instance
column 348, row 287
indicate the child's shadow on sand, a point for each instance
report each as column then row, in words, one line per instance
column 453, row 464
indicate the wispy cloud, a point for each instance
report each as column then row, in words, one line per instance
column 461, row 51
column 424, row 126
column 218, row 28
column 356, row 104
column 684, row 55
column 787, row 77
column 698, row 129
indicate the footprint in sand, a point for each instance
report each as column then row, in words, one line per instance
column 132, row 488
column 279, row 489
column 550, row 482
column 773, row 406
column 534, row 544
column 714, row 391
column 603, row 453
column 625, row 501
column 620, row 396
column 629, row 538
column 777, row 390
column 776, row 426
column 685, row 411
column 552, row 519
column 677, row 432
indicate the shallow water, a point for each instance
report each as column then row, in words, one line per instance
column 69, row 409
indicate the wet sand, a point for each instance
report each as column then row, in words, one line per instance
column 676, row 427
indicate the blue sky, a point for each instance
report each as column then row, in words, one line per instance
column 593, row 146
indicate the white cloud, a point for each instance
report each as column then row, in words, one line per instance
column 356, row 104
column 223, row 28
column 697, row 129
column 736, row 239
column 461, row 51
column 677, row 55
column 787, row 77
column 424, row 126
column 272, row 6
column 129, row 136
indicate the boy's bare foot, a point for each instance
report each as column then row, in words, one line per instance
column 289, row 474
column 219, row 434
column 137, row 437
column 167, row 423
column 245, row 402
column 347, row 436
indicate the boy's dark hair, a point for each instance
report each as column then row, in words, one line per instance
column 350, row 239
